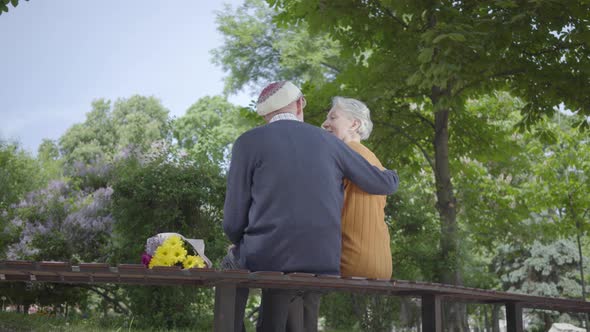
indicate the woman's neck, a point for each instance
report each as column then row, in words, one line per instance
column 352, row 138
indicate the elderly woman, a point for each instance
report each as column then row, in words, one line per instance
column 366, row 248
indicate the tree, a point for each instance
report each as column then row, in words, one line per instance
column 210, row 126
column 19, row 174
column 138, row 121
column 91, row 140
column 256, row 51
column 543, row 269
column 538, row 194
column 560, row 185
column 560, row 169
column 57, row 223
column 441, row 53
column 132, row 123
column 416, row 63
column 50, row 160
column 166, row 191
column 489, row 181
column 61, row 223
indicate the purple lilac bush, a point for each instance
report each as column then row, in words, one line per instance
column 60, row 222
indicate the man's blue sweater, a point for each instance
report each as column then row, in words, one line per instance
column 284, row 196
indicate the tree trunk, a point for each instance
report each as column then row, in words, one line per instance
column 487, row 326
column 104, row 293
column 547, row 322
column 581, row 256
column 449, row 272
column 495, row 318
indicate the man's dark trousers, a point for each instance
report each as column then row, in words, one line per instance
column 288, row 310
column 303, row 312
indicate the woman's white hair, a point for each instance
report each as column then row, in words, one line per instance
column 356, row 109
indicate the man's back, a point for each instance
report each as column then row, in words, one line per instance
column 284, row 198
column 296, row 201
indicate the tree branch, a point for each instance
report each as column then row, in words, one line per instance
column 554, row 49
column 337, row 70
column 425, row 120
column 511, row 72
column 109, row 299
column 411, row 139
column 395, row 18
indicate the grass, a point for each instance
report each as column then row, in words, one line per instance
column 18, row 322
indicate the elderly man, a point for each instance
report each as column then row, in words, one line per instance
column 284, row 197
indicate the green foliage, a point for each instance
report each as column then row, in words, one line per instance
column 158, row 186
column 374, row 312
column 172, row 307
column 91, row 140
column 75, row 322
column 50, row 160
column 161, row 195
column 560, row 181
column 165, row 191
column 425, row 68
column 368, row 312
column 48, row 151
column 132, row 123
column 138, row 121
column 256, row 51
column 414, row 228
column 414, row 59
column 60, row 223
column 336, row 308
column 410, row 62
column 19, row 173
column 209, row 127
column 57, row 223
column 489, row 178
column 541, row 269
column 463, row 46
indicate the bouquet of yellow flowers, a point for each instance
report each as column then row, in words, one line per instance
column 172, row 249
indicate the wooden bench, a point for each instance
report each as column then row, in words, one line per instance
column 226, row 282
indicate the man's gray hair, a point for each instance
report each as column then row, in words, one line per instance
column 356, row 109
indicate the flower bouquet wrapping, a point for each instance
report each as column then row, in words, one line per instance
column 173, row 249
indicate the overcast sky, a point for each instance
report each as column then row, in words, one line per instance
column 57, row 56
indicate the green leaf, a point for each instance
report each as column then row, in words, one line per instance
column 407, row 18
column 452, row 36
column 457, row 37
column 582, row 125
column 517, row 17
column 14, row 3
column 439, row 38
column 425, row 55
column 583, row 36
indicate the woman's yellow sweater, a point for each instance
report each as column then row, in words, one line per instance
column 366, row 250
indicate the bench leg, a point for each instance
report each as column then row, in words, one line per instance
column 431, row 313
column 225, row 299
column 514, row 317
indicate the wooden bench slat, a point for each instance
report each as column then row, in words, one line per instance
column 268, row 273
column 63, row 272
column 301, row 275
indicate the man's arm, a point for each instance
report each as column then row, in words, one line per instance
column 237, row 194
column 369, row 178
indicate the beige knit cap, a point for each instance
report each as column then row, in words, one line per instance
column 277, row 95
